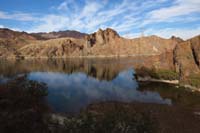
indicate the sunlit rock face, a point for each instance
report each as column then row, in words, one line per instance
column 186, row 57
column 102, row 37
column 195, row 45
column 108, row 43
column 101, row 43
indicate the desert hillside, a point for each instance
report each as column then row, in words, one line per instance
column 59, row 34
column 99, row 44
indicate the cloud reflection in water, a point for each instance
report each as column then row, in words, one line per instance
column 71, row 92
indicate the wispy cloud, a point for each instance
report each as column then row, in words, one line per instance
column 17, row 16
column 125, row 16
column 177, row 9
column 51, row 23
column 95, row 14
column 184, row 33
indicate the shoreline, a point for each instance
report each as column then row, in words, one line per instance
column 90, row 56
column 140, row 79
column 175, row 82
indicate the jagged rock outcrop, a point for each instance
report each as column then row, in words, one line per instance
column 102, row 37
column 195, row 45
column 109, row 43
column 177, row 39
column 101, row 43
column 186, row 57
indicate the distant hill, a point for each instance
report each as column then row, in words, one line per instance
column 10, row 34
column 59, row 34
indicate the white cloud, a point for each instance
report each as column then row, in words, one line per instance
column 51, row 23
column 184, row 33
column 131, row 35
column 91, row 16
column 1, row 26
column 17, row 16
column 63, row 6
column 68, row 5
column 82, row 19
column 126, row 16
column 179, row 8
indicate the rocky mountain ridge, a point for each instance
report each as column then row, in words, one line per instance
column 103, row 43
column 10, row 34
column 59, row 34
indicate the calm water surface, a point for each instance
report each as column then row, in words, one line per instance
column 75, row 83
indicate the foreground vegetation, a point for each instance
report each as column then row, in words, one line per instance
column 179, row 95
column 193, row 80
column 22, row 106
column 157, row 73
column 23, row 109
column 110, row 118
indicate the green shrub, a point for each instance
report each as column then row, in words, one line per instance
column 166, row 74
column 157, row 73
column 194, row 80
column 118, row 119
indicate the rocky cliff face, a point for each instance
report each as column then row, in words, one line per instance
column 102, row 37
column 186, row 61
column 109, row 43
column 101, row 43
column 195, row 45
column 186, row 57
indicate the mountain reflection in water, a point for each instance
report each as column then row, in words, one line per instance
column 73, row 85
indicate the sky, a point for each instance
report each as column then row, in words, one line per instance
column 129, row 18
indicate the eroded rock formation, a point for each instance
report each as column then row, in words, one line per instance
column 186, row 57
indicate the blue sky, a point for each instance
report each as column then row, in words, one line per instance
column 128, row 17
